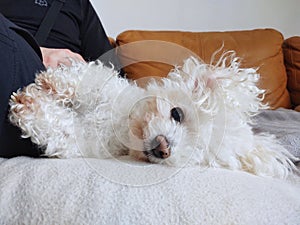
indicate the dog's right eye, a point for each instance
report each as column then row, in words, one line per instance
column 177, row 114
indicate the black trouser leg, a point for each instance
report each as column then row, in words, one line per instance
column 19, row 63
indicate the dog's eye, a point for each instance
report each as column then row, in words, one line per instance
column 177, row 114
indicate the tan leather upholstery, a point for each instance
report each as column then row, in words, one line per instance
column 112, row 42
column 291, row 49
column 260, row 48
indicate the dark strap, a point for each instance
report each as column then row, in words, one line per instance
column 48, row 21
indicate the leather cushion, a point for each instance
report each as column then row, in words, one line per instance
column 154, row 53
column 291, row 49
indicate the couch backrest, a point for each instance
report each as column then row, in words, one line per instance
column 291, row 49
column 260, row 48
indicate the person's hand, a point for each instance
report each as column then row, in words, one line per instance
column 54, row 57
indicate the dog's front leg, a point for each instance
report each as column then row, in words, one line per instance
column 48, row 124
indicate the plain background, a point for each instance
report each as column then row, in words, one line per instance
column 199, row 15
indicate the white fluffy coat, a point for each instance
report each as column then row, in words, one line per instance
column 88, row 111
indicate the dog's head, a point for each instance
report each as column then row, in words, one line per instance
column 189, row 110
column 164, row 124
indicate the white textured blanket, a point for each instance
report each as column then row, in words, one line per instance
column 93, row 191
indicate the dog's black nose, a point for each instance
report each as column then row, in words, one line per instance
column 160, row 147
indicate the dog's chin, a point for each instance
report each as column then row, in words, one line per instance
column 147, row 157
column 170, row 161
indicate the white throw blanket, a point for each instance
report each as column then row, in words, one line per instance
column 94, row 191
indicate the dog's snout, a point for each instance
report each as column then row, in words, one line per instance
column 161, row 148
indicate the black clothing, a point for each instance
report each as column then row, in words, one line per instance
column 20, row 59
column 77, row 26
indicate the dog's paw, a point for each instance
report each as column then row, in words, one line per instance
column 62, row 90
column 23, row 102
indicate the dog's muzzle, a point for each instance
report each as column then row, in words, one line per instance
column 160, row 147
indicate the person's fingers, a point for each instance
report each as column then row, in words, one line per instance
column 55, row 57
column 75, row 56
column 65, row 61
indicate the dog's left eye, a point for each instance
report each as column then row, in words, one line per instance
column 177, row 114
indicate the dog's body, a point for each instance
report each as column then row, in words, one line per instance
column 199, row 114
column 71, row 112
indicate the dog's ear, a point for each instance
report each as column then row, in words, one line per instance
column 200, row 83
column 198, row 74
column 202, row 86
column 210, row 82
column 190, row 64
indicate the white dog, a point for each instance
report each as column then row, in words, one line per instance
column 200, row 113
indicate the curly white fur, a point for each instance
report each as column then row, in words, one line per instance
column 68, row 111
column 88, row 111
column 219, row 102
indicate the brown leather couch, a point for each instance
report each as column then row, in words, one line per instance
column 154, row 53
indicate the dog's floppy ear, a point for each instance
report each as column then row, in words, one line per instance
column 185, row 72
column 190, row 64
column 198, row 74
column 200, row 80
